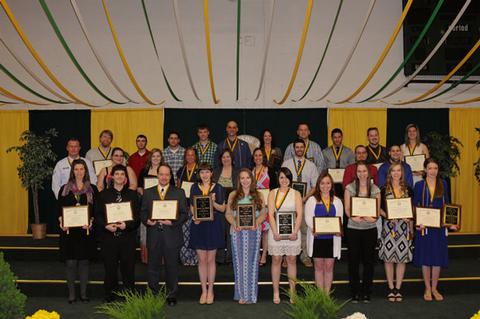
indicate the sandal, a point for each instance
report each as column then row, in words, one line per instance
column 438, row 296
column 427, row 295
column 398, row 296
column 391, row 295
column 276, row 300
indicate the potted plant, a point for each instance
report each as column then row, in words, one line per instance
column 477, row 163
column 12, row 301
column 446, row 150
column 36, row 165
column 135, row 305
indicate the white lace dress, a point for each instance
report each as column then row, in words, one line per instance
column 285, row 247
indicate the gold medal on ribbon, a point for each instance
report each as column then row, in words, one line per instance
column 299, row 169
column 279, row 203
column 234, row 144
column 190, row 172
column 103, row 154
column 337, row 155
column 376, row 156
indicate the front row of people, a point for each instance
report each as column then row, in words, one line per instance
column 164, row 238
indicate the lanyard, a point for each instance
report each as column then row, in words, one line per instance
column 190, row 172
column 207, row 191
column 234, row 144
column 326, row 204
column 162, row 195
column 282, row 199
column 377, row 156
column 337, row 155
column 103, row 154
column 203, row 150
column 299, row 169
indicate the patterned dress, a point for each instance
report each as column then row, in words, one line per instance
column 245, row 247
column 396, row 244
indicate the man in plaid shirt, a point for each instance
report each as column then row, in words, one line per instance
column 174, row 153
column 205, row 148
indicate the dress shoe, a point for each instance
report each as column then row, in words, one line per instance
column 171, row 302
column 84, row 300
column 307, row 262
column 71, row 301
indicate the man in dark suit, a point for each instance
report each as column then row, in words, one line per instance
column 164, row 237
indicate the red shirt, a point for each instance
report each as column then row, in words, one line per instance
column 351, row 171
column 137, row 162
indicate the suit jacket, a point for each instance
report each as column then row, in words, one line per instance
column 174, row 232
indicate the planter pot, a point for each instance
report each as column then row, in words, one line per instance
column 39, row 231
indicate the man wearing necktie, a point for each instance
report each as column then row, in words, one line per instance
column 164, row 237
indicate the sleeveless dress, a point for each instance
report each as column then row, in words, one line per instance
column 263, row 182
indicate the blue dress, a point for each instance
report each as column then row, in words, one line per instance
column 208, row 235
column 431, row 249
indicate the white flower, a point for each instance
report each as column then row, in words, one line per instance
column 356, row 315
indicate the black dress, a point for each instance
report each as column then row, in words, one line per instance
column 76, row 245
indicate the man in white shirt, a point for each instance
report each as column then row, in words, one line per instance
column 104, row 150
column 174, row 153
column 61, row 172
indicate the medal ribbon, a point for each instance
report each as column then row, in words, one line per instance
column 234, row 144
column 326, row 204
column 299, row 170
column 282, row 199
column 207, row 191
column 307, row 147
column 268, row 153
column 410, row 150
column 190, row 172
column 162, row 195
column 103, row 154
column 203, row 150
column 259, row 174
column 377, row 156
column 337, row 155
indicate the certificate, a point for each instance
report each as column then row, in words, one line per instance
column 203, row 207
column 415, row 162
column 99, row 165
column 364, row 207
column 149, row 182
column 428, row 217
column 264, row 193
column 301, row 187
column 337, row 174
column 327, row 225
column 285, row 223
column 399, row 208
column 186, row 186
column 245, row 214
column 118, row 212
column 75, row 216
column 452, row 215
column 164, row 210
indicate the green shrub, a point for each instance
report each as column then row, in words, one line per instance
column 135, row 305
column 12, row 301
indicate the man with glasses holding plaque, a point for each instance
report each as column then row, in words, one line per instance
column 305, row 174
column 164, row 210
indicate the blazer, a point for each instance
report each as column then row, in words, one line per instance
column 218, row 171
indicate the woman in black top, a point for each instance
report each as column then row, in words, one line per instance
column 272, row 154
column 77, row 245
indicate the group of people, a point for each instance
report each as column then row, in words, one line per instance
column 231, row 174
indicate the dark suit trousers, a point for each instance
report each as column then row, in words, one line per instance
column 115, row 251
column 159, row 246
column 361, row 249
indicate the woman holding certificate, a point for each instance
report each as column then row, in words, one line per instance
column 396, row 245
column 77, row 245
column 414, row 152
column 245, row 212
column 117, row 218
column 207, row 232
column 285, row 213
column 186, row 176
column 265, row 179
column 362, row 212
column 105, row 178
column 431, row 247
column 324, row 245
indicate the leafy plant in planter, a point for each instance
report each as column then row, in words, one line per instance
column 37, row 158
column 477, row 163
column 12, row 301
column 446, row 150
column 136, row 305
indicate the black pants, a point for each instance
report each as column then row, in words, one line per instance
column 159, row 246
column 361, row 249
column 119, row 251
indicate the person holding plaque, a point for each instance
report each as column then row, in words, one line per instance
column 205, row 148
column 273, row 154
column 377, row 154
column 326, row 247
column 105, row 178
column 117, row 230
column 396, row 244
column 186, row 176
column 164, row 231
column 395, row 156
column 284, row 238
column 361, row 234
column 431, row 247
column 207, row 236
column 265, row 178
column 413, row 146
column 245, row 238
column 104, row 150
column 77, row 245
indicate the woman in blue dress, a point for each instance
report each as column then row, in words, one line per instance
column 431, row 248
column 207, row 236
column 245, row 242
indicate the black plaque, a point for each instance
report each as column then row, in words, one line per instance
column 203, row 207
column 301, row 187
column 285, row 223
column 452, row 215
column 246, row 216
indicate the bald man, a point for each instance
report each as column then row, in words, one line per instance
column 242, row 156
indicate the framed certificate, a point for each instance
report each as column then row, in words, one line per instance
column 364, row 207
column 99, row 165
column 301, row 187
column 75, row 216
column 149, row 182
column 164, row 210
column 415, row 162
column 186, row 186
column 428, row 217
column 285, row 223
column 337, row 174
column 452, row 215
column 118, row 212
column 264, row 193
column 327, row 225
column 399, row 208
column 245, row 216
column 203, row 207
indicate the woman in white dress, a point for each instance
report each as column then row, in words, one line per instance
column 284, row 199
column 413, row 146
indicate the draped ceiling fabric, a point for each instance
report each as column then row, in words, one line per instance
column 239, row 53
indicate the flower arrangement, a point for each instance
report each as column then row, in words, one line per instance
column 476, row 316
column 43, row 314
